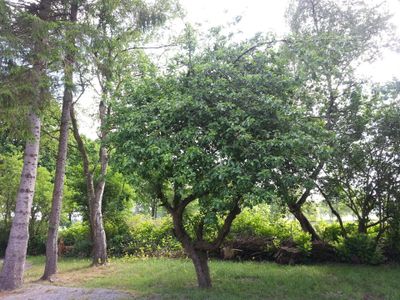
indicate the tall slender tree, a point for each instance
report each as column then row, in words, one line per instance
column 69, row 61
column 26, row 85
column 115, row 28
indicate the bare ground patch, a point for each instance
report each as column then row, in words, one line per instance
column 52, row 292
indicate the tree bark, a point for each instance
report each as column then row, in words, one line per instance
column 99, row 234
column 95, row 197
column 200, row 261
column 335, row 212
column 304, row 222
column 11, row 276
column 197, row 249
column 362, row 226
column 199, row 257
column 54, row 220
column 100, row 241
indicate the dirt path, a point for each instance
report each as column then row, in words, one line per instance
column 51, row 292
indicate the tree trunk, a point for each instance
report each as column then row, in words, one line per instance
column 54, row 219
column 99, row 234
column 100, row 242
column 154, row 209
column 95, row 197
column 200, row 261
column 11, row 276
column 362, row 226
column 335, row 212
column 305, row 224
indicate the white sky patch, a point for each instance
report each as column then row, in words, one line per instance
column 256, row 16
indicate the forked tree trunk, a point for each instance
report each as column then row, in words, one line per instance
column 197, row 248
column 54, row 219
column 11, row 276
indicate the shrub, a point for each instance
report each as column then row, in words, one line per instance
column 37, row 244
column 392, row 241
column 330, row 233
column 145, row 237
column 360, row 249
column 303, row 242
column 260, row 225
column 78, row 236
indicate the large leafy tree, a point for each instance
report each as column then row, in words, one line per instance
column 208, row 133
column 364, row 172
column 328, row 40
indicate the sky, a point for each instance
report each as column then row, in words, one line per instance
column 260, row 16
column 269, row 16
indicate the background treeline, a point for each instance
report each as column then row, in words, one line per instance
column 264, row 148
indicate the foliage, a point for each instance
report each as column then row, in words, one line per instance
column 146, row 237
column 332, row 233
column 78, row 236
column 327, row 40
column 360, row 248
column 303, row 242
column 10, row 169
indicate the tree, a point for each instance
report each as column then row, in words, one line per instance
column 54, row 220
column 26, row 85
column 364, row 172
column 113, row 29
column 329, row 38
column 208, row 131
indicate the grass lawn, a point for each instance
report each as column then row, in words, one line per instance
column 175, row 279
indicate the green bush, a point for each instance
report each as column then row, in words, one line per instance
column 303, row 242
column 145, row 237
column 360, row 249
column 260, row 222
column 330, row 233
column 152, row 237
column 78, row 236
column 392, row 240
column 37, row 244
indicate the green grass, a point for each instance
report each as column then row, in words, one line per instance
column 175, row 279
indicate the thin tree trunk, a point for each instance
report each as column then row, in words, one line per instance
column 11, row 276
column 54, row 219
column 304, row 222
column 100, row 242
column 335, row 212
column 95, row 197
